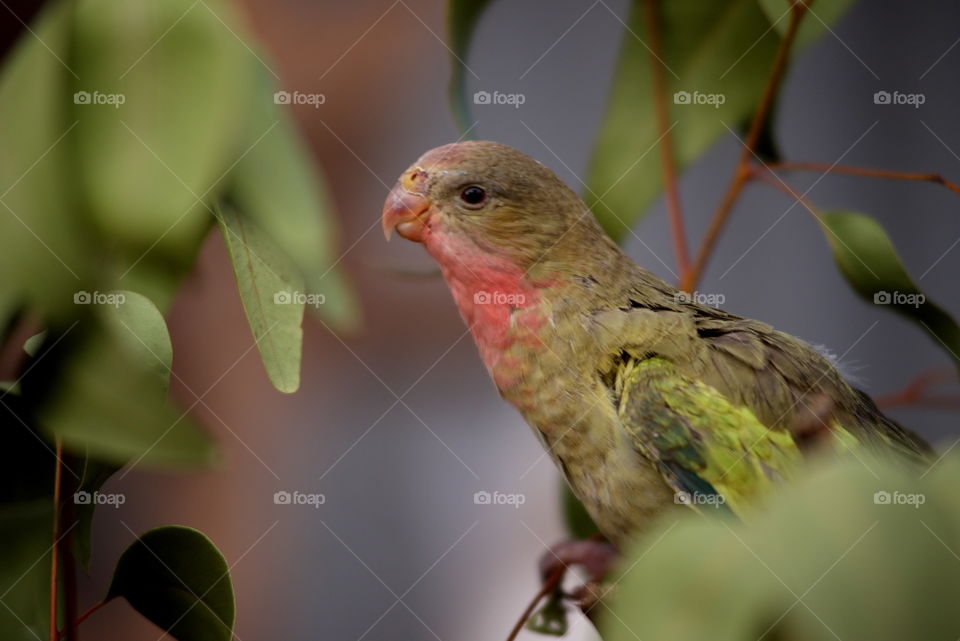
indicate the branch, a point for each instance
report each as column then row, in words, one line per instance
column 667, row 157
column 917, row 392
column 549, row 585
column 54, row 555
column 742, row 172
column 865, row 171
column 83, row 617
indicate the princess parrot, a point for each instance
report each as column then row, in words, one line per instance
column 639, row 393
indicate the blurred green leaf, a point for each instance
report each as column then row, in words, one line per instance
column 157, row 104
column 109, row 393
column 721, row 48
column 815, row 23
column 273, row 297
column 862, row 549
column 870, row 264
column 94, row 475
column 462, row 17
column 25, row 538
column 43, row 244
column 277, row 185
column 578, row 522
column 33, row 344
column 177, row 578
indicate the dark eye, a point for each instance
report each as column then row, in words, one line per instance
column 473, row 196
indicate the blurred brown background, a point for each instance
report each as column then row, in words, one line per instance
column 399, row 550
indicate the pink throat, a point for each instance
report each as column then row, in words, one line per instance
column 496, row 300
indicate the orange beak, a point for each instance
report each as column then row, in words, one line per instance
column 405, row 207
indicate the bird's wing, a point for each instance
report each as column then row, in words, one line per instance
column 704, row 445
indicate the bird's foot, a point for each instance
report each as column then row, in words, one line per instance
column 596, row 557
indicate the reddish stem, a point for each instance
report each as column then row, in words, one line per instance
column 54, row 551
column 864, row 171
column 917, row 392
column 83, row 617
column 552, row 583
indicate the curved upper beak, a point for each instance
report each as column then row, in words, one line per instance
column 405, row 207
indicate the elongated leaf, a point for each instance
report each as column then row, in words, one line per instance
column 462, row 16
column 870, row 264
column 273, row 298
column 277, row 185
column 157, row 108
column 177, row 578
column 43, row 244
column 862, row 549
column 814, row 25
column 109, row 393
column 94, row 475
column 717, row 51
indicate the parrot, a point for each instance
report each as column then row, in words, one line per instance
column 639, row 393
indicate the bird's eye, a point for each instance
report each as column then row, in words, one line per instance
column 473, row 196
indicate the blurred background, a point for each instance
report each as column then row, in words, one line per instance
column 397, row 425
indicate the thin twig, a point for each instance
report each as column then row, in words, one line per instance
column 863, row 171
column 917, row 392
column 54, row 556
column 667, row 156
column 83, row 617
column 549, row 585
column 742, row 172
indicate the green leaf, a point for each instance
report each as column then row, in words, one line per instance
column 33, row 344
column 94, row 475
column 277, row 185
column 862, row 544
column 25, row 531
column 108, row 398
column 175, row 577
column 462, row 17
column 814, row 24
column 551, row 619
column 157, row 103
column 43, row 243
column 870, row 264
column 713, row 48
column 578, row 522
column 273, row 296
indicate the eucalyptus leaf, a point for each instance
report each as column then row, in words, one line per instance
column 272, row 292
column 867, row 259
column 177, row 578
column 277, row 185
column 717, row 51
column 462, row 16
column 861, row 549
column 44, row 247
column 156, row 101
column 94, row 475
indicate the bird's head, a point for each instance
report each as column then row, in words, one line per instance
column 480, row 196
